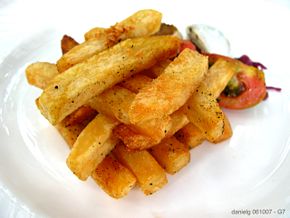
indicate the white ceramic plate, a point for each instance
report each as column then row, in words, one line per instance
column 248, row 172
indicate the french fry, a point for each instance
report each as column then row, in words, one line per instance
column 39, row 74
column 171, row 89
column 190, row 135
column 218, row 76
column 72, row 131
column 141, row 23
column 150, row 175
column 202, row 107
column 67, row 43
column 178, row 121
column 81, row 114
column 228, row 132
column 73, row 88
column 115, row 179
column 132, row 139
column 96, row 33
column 92, row 146
column 115, row 102
column 171, row 154
column 157, row 69
column 150, row 134
column 136, row 82
column 203, row 111
column 80, row 53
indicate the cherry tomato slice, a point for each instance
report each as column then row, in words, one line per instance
column 249, row 88
column 253, row 91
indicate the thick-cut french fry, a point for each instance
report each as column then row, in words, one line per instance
column 96, row 33
column 141, row 23
column 132, row 139
column 157, row 69
column 136, row 82
column 115, row 179
column 202, row 107
column 143, row 137
column 81, row 114
column 178, row 121
column 228, row 132
column 92, row 146
column 39, row 74
column 73, row 88
column 171, row 154
column 218, row 76
column 80, row 53
column 171, row 89
column 67, row 43
column 203, row 111
column 150, row 175
column 190, row 135
column 115, row 103
column 72, row 131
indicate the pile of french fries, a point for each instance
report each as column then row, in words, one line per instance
column 130, row 105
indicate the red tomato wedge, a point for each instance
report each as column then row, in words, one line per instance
column 187, row 44
column 246, row 88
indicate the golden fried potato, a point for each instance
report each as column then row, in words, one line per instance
column 70, row 132
column 67, row 43
column 157, row 69
column 136, row 82
column 190, row 135
column 81, row 114
column 39, row 74
column 178, row 121
column 115, row 102
column 92, row 146
column 96, row 33
column 115, row 179
column 150, row 175
column 171, row 89
column 141, row 23
column 202, row 108
column 149, row 134
column 228, row 132
column 203, row 111
column 73, row 88
column 218, row 76
column 171, row 154
column 132, row 139
column 81, row 53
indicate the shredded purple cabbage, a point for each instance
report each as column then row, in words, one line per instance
column 246, row 60
column 273, row 88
